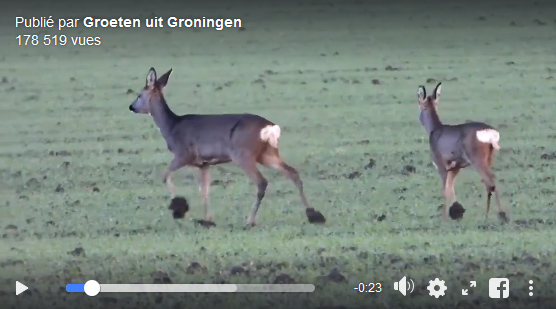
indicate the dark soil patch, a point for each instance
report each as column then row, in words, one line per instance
column 205, row 223
column 79, row 251
column 534, row 222
column 456, row 211
column 237, row 270
column 353, row 175
column 371, row 164
column 160, row 277
column 335, row 276
column 408, row 169
column 283, row 279
column 314, row 216
column 548, row 156
column 179, row 207
column 194, row 267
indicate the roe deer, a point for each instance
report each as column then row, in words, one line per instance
column 454, row 147
column 205, row 140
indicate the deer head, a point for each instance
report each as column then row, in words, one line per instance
column 151, row 93
column 428, row 115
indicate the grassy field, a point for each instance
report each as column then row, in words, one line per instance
column 82, row 196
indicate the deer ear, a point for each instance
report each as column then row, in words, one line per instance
column 421, row 93
column 163, row 80
column 151, row 78
column 437, row 92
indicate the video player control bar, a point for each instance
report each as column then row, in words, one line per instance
column 93, row 288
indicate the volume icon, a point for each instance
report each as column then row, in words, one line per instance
column 403, row 286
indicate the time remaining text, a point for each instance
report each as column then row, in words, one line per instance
column 369, row 287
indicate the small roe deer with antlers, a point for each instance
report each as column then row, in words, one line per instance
column 454, row 147
column 205, row 140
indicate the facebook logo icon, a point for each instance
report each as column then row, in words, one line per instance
column 498, row 288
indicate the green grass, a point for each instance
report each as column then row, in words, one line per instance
column 65, row 122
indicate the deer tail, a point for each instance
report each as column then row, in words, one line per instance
column 489, row 136
column 271, row 134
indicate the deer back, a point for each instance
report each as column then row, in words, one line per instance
column 217, row 138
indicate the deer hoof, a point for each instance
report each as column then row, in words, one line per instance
column 205, row 223
column 251, row 222
column 456, row 211
column 314, row 216
column 179, row 207
column 502, row 216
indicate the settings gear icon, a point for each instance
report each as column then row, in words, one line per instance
column 433, row 291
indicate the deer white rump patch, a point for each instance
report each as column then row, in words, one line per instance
column 271, row 134
column 489, row 136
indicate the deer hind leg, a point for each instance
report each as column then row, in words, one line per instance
column 271, row 159
column 490, row 184
column 175, row 165
column 251, row 170
column 205, row 187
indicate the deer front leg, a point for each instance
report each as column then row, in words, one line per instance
column 175, row 165
column 445, row 187
column 167, row 179
column 205, row 186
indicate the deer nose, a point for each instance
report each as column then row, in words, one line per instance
column 131, row 108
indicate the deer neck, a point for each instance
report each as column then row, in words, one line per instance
column 164, row 118
column 430, row 120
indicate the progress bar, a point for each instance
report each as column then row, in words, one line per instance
column 93, row 288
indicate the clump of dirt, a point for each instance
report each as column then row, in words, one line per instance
column 533, row 222
column 79, row 251
column 335, row 276
column 408, row 169
column 179, row 207
column 353, row 175
column 548, row 156
column 456, row 211
column 371, row 164
column 283, row 279
column 161, row 277
column 205, row 223
column 314, row 216
column 194, row 267
column 237, row 270
column 391, row 68
column 11, row 263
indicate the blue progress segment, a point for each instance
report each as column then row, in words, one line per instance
column 75, row 288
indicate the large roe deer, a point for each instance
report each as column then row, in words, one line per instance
column 205, row 140
column 454, row 147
